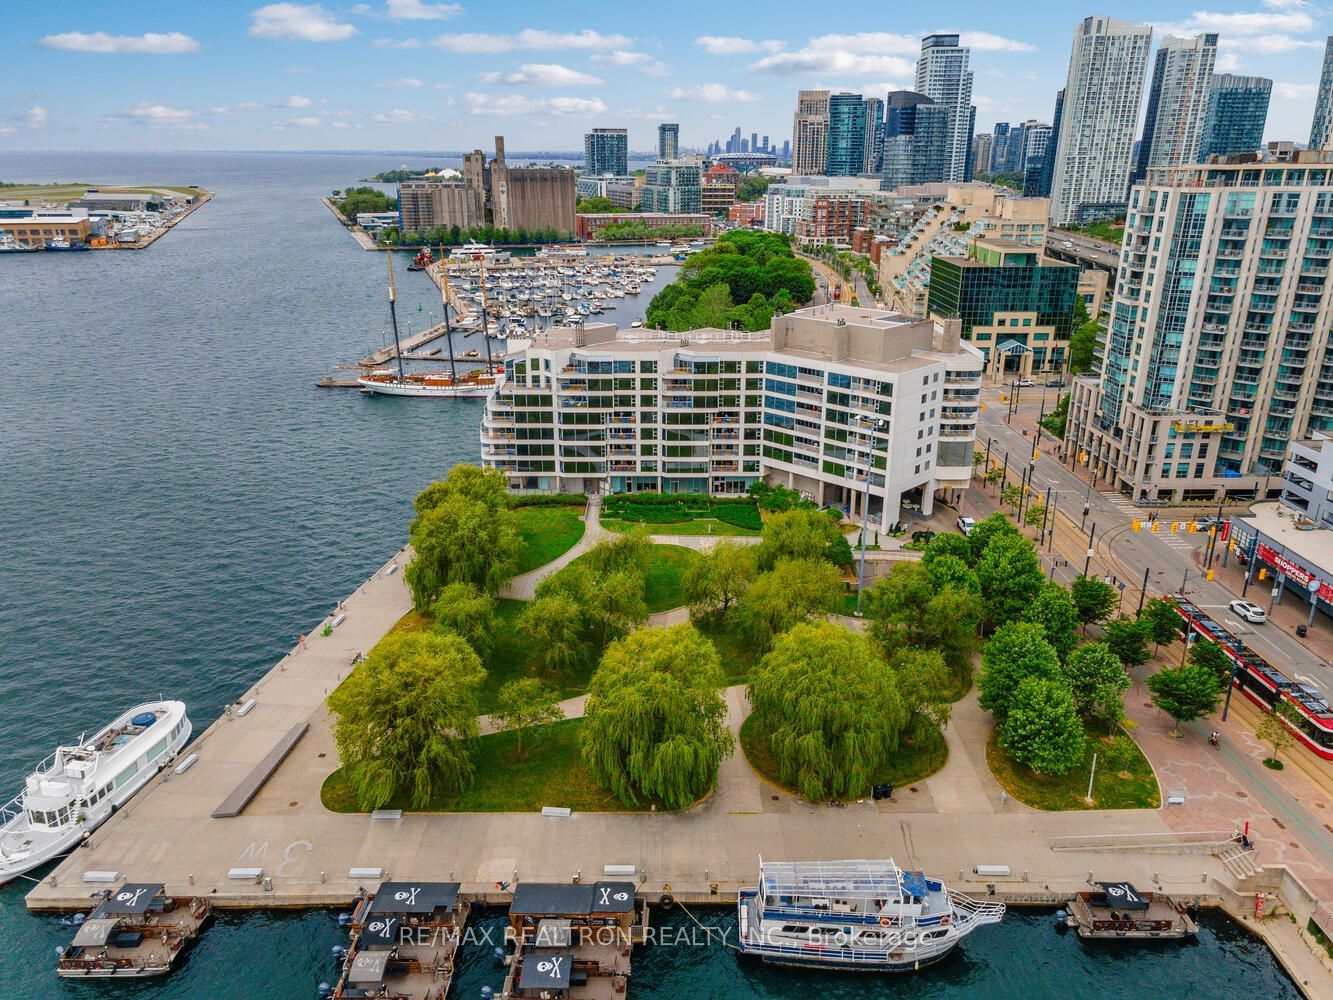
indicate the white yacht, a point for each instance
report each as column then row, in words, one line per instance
column 74, row 790
column 867, row 915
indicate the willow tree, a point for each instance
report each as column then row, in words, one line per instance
column 405, row 718
column 790, row 593
column 654, row 724
column 461, row 540
column 830, row 709
column 463, row 609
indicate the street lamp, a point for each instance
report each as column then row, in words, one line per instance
column 874, row 425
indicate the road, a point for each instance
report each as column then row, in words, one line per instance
column 1098, row 252
column 1124, row 553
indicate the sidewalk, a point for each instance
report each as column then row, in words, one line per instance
column 524, row 588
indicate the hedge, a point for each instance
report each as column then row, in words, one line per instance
column 742, row 515
column 549, row 500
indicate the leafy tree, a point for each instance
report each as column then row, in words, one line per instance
column 789, row 593
column 1016, row 652
column 1128, row 639
column 554, row 625
column 803, row 534
column 1185, row 693
column 987, row 530
column 522, row 704
column 1206, row 653
column 1083, row 339
column 1010, row 577
column 461, row 541
column 598, row 206
column 830, row 708
column 1163, row 621
column 1042, row 730
column 463, row 609
column 1275, row 731
column 356, row 200
column 946, row 543
column 488, row 486
column 924, row 685
column 951, row 572
column 615, row 604
column 1098, row 682
column 714, row 307
column 1093, row 600
column 1058, row 419
column 776, row 498
column 1035, row 515
column 654, row 726
column 717, row 579
column 1054, row 612
column 405, row 716
column 1011, row 496
column 908, row 608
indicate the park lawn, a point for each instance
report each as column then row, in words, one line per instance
column 550, row 773
column 1134, row 788
column 547, row 533
column 698, row 526
column 907, row 765
column 735, row 653
column 512, row 657
column 663, row 587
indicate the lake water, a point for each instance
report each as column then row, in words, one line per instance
column 178, row 503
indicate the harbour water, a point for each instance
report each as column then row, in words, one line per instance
column 178, row 502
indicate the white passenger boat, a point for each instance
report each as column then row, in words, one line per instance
column 858, row 915
column 74, row 790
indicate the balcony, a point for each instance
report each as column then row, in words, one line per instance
column 621, row 466
column 725, row 418
column 1309, row 289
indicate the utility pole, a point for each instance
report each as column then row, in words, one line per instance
column 1045, row 514
column 1143, row 591
column 1087, row 563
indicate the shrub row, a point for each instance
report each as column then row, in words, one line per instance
column 549, row 500
column 742, row 515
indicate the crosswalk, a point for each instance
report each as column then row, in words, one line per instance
column 1121, row 503
column 1180, row 541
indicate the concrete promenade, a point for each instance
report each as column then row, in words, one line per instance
column 945, row 825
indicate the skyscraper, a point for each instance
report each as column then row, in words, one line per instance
column 668, row 141
column 734, row 143
column 606, row 151
column 786, row 151
column 1032, row 148
column 874, row 136
column 1177, row 103
column 916, row 139
column 1099, row 115
column 943, row 76
column 1038, row 174
column 765, row 146
column 1237, row 113
column 809, row 134
column 983, row 151
column 846, row 135
column 997, row 160
column 1322, row 129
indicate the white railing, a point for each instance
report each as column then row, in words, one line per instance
column 975, row 911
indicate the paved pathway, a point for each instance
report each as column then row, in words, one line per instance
column 524, row 588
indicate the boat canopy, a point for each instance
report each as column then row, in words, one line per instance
column 546, row 970
column 368, row 967
column 95, row 933
column 564, row 899
column 414, row 897
column 382, row 932
column 132, row 897
column 554, row 933
column 844, row 879
column 1123, row 896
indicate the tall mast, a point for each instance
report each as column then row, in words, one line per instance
column 393, row 315
column 485, row 330
column 444, row 300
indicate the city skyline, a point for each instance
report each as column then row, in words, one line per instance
column 430, row 75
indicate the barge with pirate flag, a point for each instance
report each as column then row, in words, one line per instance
column 134, row 932
column 573, row 940
column 1119, row 912
column 404, row 939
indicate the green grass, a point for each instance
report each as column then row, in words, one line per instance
column 1133, row 788
column 551, row 772
column 512, row 657
column 699, row 526
column 662, row 581
column 547, row 533
column 907, row 765
column 1107, row 231
column 736, row 654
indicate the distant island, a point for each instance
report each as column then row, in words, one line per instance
column 406, row 174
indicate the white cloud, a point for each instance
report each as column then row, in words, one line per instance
column 416, row 10
column 508, row 105
column 298, row 123
column 710, row 93
column 7, row 129
column 402, row 81
column 656, row 114
column 544, row 74
column 984, row 41
column 151, row 43
column 342, row 125
column 399, row 116
column 641, row 61
column 1227, row 62
column 297, row 101
column 35, row 116
column 1283, row 19
column 730, row 45
column 155, row 114
column 295, row 70
column 303, row 22
column 833, row 63
column 1270, row 44
column 529, row 38
column 1294, row 91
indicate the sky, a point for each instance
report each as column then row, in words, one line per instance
column 425, row 75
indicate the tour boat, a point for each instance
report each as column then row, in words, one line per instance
column 74, row 790
column 442, row 385
column 1119, row 912
column 134, row 932
column 422, row 260
column 60, row 243
column 10, row 245
column 860, row 915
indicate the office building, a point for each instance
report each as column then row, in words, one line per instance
column 668, row 141
column 874, row 140
column 606, row 151
column 1173, row 124
column 673, row 186
column 1032, row 147
column 818, row 207
column 837, row 402
column 916, row 139
column 530, row 197
column 846, row 135
column 1237, row 114
column 1321, row 131
column 1215, row 354
column 427, row 202
column 982, row 152
column 1099, row 114
column 942, row 74
column 620, row 191
column 33, row 226
column 719, row 189
column 810, row 132
column 1038, row 174
column 765, row 148
column 1016, row 306
column 785, row 156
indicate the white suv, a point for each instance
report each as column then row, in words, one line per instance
column 966, row 524
column 1250, row 612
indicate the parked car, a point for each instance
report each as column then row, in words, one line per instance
column 1250, row 612
column 966, row 524
column 1055, row 383
column 1023, row 383
column 1211, row 522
